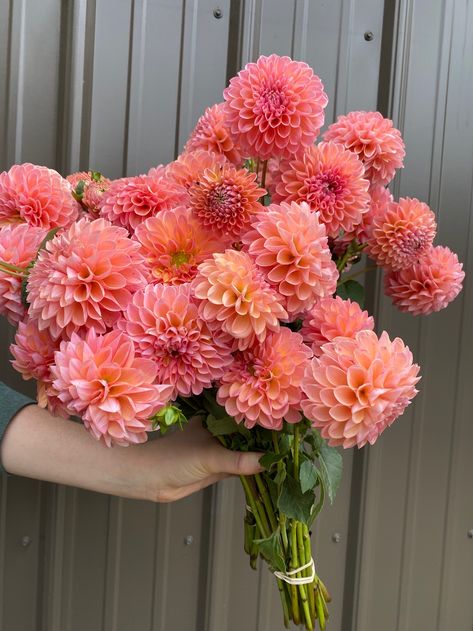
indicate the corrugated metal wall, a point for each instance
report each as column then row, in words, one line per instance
column 117, row 85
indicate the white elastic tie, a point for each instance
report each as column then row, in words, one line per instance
column 303, row 580
column 249, row 509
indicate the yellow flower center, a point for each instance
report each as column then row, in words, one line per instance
column 180, row 258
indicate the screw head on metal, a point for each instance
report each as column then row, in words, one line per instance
column 188, row 540
column 218, row 13
column 25, row 541
column 470, row 533
column 369, row 36
column 336, row 537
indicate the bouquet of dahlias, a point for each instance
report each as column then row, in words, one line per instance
column 217, row 286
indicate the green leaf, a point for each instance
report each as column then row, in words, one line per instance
column 95, row 176
column 353, row 290
column 295, row 504
column 308, row 475
column 221, row 426
column 269, row 459
column 271, row 549
column 281, row 474
column 331, row 465
column 78, row 192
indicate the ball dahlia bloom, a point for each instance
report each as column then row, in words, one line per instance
column 358, row 387
column 332, row 317
column 130, row 200
column 212, row 133
column 235, row 295
column 188, row 167
column 428, row 285
column 36, row 195
column 224, row 199
column 331, row 180
column 380, row 198
column 263, row 384
column 89, row 188
column 289, row 245
column 85, row 278
column 33, row 355
column 174, row 243
column 275, row 107
column 401, row 233
column 374, row 140
column 100, row 379
column 165, row 324
column 19, row 245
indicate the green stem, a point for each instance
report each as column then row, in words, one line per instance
column 308, row 556
column 13, row 268
column 352, row 276
column 266, row 501
column 305, row 590
column 294, row 565
column 256, row 508
column 297, row 439
column 282, row 525
column 274, row 436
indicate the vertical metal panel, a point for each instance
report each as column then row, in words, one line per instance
column 418, row 491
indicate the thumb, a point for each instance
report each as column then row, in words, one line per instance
column 240, row 462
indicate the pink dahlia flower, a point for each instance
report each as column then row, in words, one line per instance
column 85, row 278
column 331, row 180
column 275, row 107
column 263, row 384
column 131, row 200
column 174, row 243
column 33, row 353
column 100, row 379
column 332, row 317
column 358, row 387
column 36, row 195
column 188, row 167
column 89, row 188
column 289, row 245
column 401, row 233
column 165, row 325
column 212, row 133
column 224, row 200
column 374, row 140
column 428, row 285
column 19, row 245
column 380, row 198
column 234, row 294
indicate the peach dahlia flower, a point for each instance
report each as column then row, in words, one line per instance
column 85, row 278
column 289, row 245
column 36, row 195
column 275, row 107
column 263, row 384
column 374, row 140
column 235, row 296
column 212, row 133
column 358, row 387
column 100, row 379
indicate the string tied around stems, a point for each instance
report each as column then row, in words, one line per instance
column 291, row 579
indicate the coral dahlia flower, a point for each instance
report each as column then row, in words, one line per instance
column 358, row 387
column 428, row 285
column 174, row 243
column 225, row 198
column 275, row 107
column 131, row 200
column 380, row 198
column 374, row 140
column 332, row 317
column 235, row 295
column 89, row 187
column 165, row 324
column 100, row 379
column 401, row 233
column 188, row 167
column 263, row 384
column 36, row 195
column 85, row 278
column 331, row 180
column 289, row 245
column 212, row 133
column 19, row 245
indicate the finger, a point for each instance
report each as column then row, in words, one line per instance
column 237, row 462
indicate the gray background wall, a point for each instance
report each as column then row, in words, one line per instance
column 117, row 85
